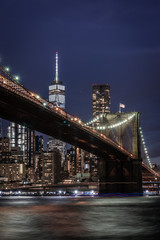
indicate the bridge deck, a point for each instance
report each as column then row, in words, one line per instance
column 21, row 105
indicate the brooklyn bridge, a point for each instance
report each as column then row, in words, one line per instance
column 114, row 138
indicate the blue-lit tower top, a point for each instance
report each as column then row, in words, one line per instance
column 57, row 89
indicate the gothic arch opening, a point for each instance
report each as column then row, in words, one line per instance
column 128, row 139
column 113, row 135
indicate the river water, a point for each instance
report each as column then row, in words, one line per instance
column 61, row 218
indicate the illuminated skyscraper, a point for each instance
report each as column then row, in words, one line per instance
column 57, row 97
column 24, row 138
column 100, row 99
column 57, row 90
column 51, row 167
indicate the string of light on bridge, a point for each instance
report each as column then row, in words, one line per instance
column 110, row 126
column 145, row 148
column 35, row 97
column 119, row 124
column 16, row 78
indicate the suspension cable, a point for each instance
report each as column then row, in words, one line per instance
column 144, row 147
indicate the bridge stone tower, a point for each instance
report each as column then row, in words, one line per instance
column 121, row 173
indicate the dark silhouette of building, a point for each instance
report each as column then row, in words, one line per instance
column 39, row 142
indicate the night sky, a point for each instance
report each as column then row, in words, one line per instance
column 99, row 41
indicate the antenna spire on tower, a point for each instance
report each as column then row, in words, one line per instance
column 56, row 78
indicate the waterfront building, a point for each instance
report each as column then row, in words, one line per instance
column 24, row 138
column 4, row 149
column 39, row 142
column 39, row 148
column 30, row 176
column 80, row 155
column 70, row 165
column 81, row 164
column 16, row 155
column 51, row 167
column 38, row 167
column 11, row 161
column 91, row 166
column 4, row 145
column 8, row 153
column 57, row 97
column 13, row 171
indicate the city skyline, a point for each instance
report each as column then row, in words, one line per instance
column 113, row 43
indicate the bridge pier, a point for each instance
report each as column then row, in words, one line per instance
column 120, row 176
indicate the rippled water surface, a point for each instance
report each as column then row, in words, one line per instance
column 95, row 218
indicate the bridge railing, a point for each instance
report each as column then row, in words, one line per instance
column 17, row 88
column 150, row 169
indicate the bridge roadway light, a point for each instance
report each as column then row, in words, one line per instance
column 16, row 78
column 7, row 69
column 76, row 191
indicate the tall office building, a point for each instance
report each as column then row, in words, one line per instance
column 71, row 161
column 51, row 167
column 57, row 90
column 24, row 138
column 57, row 97
column 100, row 104
column 4, row 149
column 100, row 99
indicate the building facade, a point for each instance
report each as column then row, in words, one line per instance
column 4, row 149
column 100, row 99
column 24, row 138
column 51, row 167
column 70, row 165
column 13, row 171
column 39, row 142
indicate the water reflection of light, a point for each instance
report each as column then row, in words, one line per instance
column 74, row 217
